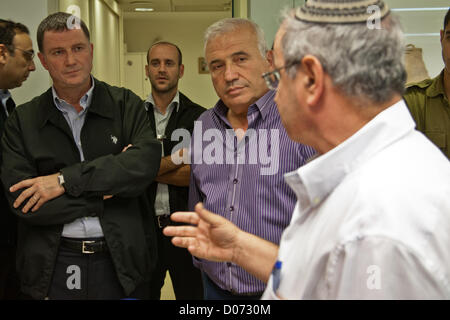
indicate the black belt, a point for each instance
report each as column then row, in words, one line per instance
column 163, row 220
column 85, row 246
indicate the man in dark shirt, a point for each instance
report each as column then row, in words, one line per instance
column 16, row 63
column 168, row 110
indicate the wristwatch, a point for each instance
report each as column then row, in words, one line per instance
column 61, row 179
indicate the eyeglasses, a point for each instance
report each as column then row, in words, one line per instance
column 272, row 78
column 28, row 54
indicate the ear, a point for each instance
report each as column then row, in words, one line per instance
column 92, row 50
column 313, row 81
column 442, row 35
column 180, row 75
column 269, row 57
column 42, row 59
column 147, row 73
column 4, row 54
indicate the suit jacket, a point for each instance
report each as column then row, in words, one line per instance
column 8, row 221
column 184, row 118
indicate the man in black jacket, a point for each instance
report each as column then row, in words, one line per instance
column 16, row 63
column 77, row 160
column 168, row 110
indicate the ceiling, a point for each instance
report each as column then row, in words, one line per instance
column 177, row 5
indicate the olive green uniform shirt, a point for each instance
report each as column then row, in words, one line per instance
column 430, row 109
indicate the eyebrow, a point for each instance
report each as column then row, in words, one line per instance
column 234, row 54
column 159, row 60
column 239, row 53
column 74, row 45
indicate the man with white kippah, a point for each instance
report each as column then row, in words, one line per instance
column 372, row 216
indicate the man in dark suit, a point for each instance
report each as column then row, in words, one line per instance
column 16, row 63
column 168, row 110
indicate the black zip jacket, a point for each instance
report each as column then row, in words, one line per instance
column 38, row 141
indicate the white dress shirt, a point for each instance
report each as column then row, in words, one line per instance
column 86, row 227
column 372, row 219
column 4, row 96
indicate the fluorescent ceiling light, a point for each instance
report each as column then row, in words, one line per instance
column 421, row 9
column 144, row 9
column 422, row 34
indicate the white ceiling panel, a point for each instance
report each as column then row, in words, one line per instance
column 176, row 5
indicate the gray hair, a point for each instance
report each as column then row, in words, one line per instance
column 364, row 63
column 231, row 24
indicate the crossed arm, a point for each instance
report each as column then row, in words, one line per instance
column 175, row 174
column 41, row 189
column 210, row 236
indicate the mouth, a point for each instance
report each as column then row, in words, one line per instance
column 72, row 72
column 234, row 90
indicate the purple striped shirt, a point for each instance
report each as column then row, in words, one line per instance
column 244, row 181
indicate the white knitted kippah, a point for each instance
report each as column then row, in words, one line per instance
column 340, row 11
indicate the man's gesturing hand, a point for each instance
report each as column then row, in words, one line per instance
column 209, row 236
column 38, row 191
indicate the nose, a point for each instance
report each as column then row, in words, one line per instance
column 70, row 58
column 230, row 72
column 31, row 66
column 162, row 68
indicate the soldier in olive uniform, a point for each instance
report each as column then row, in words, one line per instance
column 428, row 100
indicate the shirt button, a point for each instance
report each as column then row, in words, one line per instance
column 231, row 208
column 228, row 264
column 235, row 181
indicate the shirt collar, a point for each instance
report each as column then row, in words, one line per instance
column 4, row 96
column 259, row 106
column 318, row 178
column 85, row 100
column 175, row 101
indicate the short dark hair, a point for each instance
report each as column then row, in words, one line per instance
column 447, row 18
column 59, row 21
column 180, row 56
column 8, row 30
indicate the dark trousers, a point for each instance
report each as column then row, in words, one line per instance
column 214, row 292
column 186, row 279
column 79, row 276
column 9, row 282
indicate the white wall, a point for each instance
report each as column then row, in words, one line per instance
column 267, row 12
column 30, row 13
column 103, row 18
column 185, row 29
column 423, row 22
column 105, row 27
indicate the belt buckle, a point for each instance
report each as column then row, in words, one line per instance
column 83, row 248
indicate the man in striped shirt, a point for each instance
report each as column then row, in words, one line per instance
column 240, row 152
